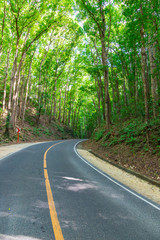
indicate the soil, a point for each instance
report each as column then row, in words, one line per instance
column 146, row 164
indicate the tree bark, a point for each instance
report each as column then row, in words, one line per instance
column 144, row 69
column 27, row 87
column 16, row 92
column 5, row 80
column 152, row 57
column 59, row 116
column 3, row 23
column 65, row 100
column 13, row 75
column 21, row 95
column 106, row 85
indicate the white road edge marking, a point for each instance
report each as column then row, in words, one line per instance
column 136, row 195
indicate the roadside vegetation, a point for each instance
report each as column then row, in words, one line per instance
column 30, row 132
column 132, row 144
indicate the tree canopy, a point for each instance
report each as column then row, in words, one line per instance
column 83, row 62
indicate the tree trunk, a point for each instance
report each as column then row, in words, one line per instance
column 21, row 97
column 59, row 117
column 16, row 92
column 3, row 22
column 54, row 99
column 74, row 117
column 144, row 69
column 124, row 87
column 152, row 57
column 5, row 80
column 100, row 85
column 104, row 62
column 13, row 75
column 102, row 30
column 50, row 118
column 27, row 87
column 65, row 100
column 117, row 93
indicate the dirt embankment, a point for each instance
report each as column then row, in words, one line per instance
column 145, row 164
column 141, row 186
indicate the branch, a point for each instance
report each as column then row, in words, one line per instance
column 92, row 16
column 16, row 18
column 27, row 24
column 38, row 36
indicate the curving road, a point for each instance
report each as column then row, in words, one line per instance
column 48, row 192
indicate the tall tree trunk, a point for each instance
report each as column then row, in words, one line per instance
column 74, row 117
column 152, row 57
column 3, row 23
column 69, row 113
column 124, row 87
column 59, row 116
column 55, row 100
column 16, row 92
column 50, row 118
column 99, row 108
column 27, row 87
column 77, row 118
column 99, row 81
column 144, row 69
column 40, row 92
column 39, row 80
column 13, row 75
column 136, row 87
column 21, row 95
column 5, row 80
column 104, row 62
column 65, row 100
column 117, row 93
column 106, row 85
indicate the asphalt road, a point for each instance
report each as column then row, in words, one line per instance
column 86, row 204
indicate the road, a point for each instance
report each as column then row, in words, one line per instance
column 48, row 192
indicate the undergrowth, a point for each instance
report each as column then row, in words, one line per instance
column 134, row 133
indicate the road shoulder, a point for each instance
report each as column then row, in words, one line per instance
column 10, row 149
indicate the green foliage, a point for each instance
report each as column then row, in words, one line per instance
column 1, row 111
column 30, row 119
column 63, row 71
column 107, row 136
column 36, row 131
column 132, row 133
column 98, row 134
column 113, row 142
column 47, row 132
column 60, row 128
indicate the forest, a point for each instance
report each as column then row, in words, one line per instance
column 90, row 64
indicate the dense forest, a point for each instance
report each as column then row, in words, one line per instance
column 85, row 63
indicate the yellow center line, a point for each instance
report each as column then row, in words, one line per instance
column 54, row 219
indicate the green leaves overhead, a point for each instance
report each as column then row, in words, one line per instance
column 83, row 62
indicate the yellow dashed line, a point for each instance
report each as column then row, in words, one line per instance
column 54, row 219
